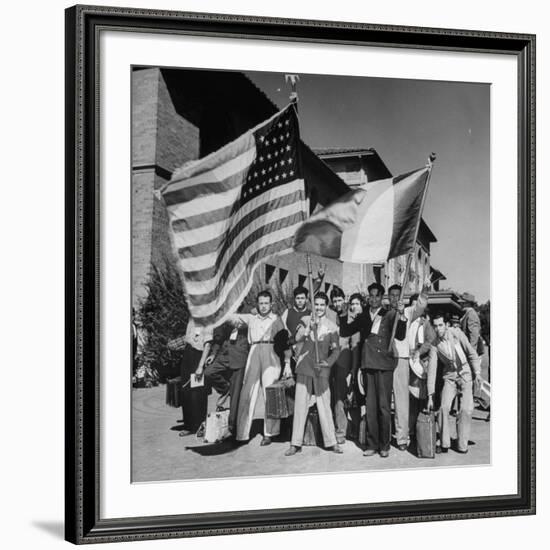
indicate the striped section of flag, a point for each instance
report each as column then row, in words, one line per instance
column 234, row 209
column 371, row 224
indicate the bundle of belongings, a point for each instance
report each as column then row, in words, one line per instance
column 145, row 377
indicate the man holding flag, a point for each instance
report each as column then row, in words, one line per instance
column 372, row 224
column 375, row 326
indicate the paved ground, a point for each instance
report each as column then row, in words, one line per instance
column 160, row 454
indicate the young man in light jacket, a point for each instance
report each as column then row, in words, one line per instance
column 312, row 376
column 461, row 369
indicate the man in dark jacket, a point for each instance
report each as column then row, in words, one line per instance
column 225, row 365
column 378, row 362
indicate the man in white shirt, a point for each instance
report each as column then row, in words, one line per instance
column 263, row 367
column 401, row 372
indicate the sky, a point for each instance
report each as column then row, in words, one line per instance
column 406, row 120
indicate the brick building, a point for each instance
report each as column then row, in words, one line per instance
column 184, row 114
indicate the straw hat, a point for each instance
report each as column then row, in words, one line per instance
column 418, row 378
column 419, row 367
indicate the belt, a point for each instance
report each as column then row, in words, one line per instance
column 263, row 342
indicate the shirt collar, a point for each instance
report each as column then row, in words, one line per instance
column 446, row 338
column 375, row 313
column 270, row 316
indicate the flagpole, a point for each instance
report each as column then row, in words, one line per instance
column 431, row 160
column 293, row 80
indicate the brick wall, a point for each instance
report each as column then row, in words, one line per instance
column 162, row 140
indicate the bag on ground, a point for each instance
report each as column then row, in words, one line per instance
column 217, row 426
column 173, row 392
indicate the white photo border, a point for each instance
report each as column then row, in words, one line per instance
column 120, row 498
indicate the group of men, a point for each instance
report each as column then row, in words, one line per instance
column 339, row 350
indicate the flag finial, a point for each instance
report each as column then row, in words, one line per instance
column 293, row 80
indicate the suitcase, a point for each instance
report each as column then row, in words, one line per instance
column 313, row 436
column 217, row 426
column 194, row 402
column 279, row 400
column 173, row 392
column 425, row 435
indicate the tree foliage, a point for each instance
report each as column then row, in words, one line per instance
column 163, row 316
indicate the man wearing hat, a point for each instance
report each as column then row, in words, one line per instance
column 470, row 323
column 455, row 321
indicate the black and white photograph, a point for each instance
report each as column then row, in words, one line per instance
column 311, row 274
column 270, row 274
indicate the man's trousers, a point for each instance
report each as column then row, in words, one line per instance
column 401, row 400
column 378, row 401
column 306, row 387
column 263, row 368
column 228, row 383
column 454, row 383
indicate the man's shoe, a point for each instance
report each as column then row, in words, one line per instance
column 336, row 449
column 439, row 449
column 384, row 454
column 292, row 450
column 265, row 441
column 369, row 452
column 183, row 433
column 201, row 431
column 340, row 440
column 402, row 446
column 461, row 451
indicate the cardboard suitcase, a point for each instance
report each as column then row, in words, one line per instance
column 425, row 435
column 279, row 399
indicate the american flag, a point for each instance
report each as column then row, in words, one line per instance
column 232, row 210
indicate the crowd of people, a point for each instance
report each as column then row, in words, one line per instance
column 349, row 358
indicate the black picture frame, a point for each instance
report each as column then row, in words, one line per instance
column 83, row 25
